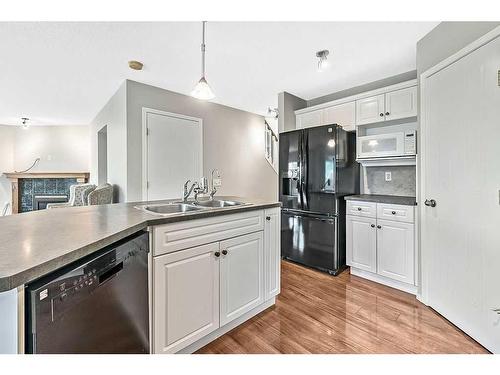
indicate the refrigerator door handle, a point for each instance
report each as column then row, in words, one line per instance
column 305, row 161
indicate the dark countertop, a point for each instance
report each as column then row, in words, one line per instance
column 36, row 243
column 390, row 199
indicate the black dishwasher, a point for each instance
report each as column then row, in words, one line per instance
column 98, row 304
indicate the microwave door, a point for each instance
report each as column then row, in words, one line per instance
column 381, row 145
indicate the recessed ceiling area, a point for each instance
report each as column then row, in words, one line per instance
column 60, row 73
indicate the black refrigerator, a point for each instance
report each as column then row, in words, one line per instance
column 318, row 169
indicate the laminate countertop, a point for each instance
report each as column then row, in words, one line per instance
column 36, row 243
column 390, row 199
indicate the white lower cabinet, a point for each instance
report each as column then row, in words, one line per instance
column 395, row 250
column 186, row 297
column 361, row 237
column 200, row 289
column 241, row 275
column 382, row 250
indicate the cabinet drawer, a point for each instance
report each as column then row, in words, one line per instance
column 395, row 212
column 185, row 234
column 361, row 208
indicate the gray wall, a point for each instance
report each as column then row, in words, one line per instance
column 114, row 116
column 233, row 142
column 363, row 88
column 287, row 104
column 446, row 39
column 402, row 182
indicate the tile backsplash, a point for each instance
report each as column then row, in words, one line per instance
column 403, row 180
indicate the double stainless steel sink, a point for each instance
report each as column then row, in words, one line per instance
column 182, row 207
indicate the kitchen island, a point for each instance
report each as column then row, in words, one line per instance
column 38, row 243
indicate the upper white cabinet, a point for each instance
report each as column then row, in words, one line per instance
column 370, row 110
column 241, row 276
column 393, row 105
column 389, row 103
column 342, row 114
column 309, row 119
column 401, row 103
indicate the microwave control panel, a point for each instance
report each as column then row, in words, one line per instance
column 410, row 143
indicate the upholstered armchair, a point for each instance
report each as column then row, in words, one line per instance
column 78, row 196
column 103, row 194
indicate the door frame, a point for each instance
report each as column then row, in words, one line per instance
column 144, row 142
column 424, row 128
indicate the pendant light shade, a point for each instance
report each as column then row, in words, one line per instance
column 202, row 89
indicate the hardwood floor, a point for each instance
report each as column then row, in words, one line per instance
column 318, row 313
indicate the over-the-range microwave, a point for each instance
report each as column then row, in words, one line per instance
column 387, row 145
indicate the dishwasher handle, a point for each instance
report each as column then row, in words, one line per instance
column 108, row 274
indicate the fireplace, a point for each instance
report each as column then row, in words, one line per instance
column 40, row 201
column 50, row 186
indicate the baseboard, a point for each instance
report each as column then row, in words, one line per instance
column 409, row 288
column 229, row 326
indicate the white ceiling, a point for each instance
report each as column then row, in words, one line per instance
column 63, row 73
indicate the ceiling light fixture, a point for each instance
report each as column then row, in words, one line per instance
column 323, row 59
column 25, row 124
column 202, row 90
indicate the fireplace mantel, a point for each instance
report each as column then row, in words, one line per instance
column 14, row 177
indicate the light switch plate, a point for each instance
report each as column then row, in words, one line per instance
column 388, row 176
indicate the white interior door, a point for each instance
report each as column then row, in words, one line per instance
column 174, row 153
column 460, row 236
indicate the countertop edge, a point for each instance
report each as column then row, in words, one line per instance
column 396, row 199
column 15, row 280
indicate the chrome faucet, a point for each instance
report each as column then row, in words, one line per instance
column 201, row 188
column 214, row 189
column 187, row 192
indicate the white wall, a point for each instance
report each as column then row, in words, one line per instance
column 60, row 148
column 233, row 142
column 114, row 116
column 6, row 163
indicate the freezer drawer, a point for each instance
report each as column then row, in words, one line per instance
column 311, row 240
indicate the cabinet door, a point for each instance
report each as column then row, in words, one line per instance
column 309, row 119
column 401, row 103
column 395, row 250
column 186, row 297
column 370, row 110
column 361, row 243
column 272, row 252
column 342, row 114
column 241, row 275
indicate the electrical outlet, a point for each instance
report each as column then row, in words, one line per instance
column 388, row 176
column 217, row 182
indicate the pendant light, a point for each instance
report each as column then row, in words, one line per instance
column 202, row 90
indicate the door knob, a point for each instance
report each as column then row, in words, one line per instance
column 217, row 254
column 224, row 252
column 430, row 202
